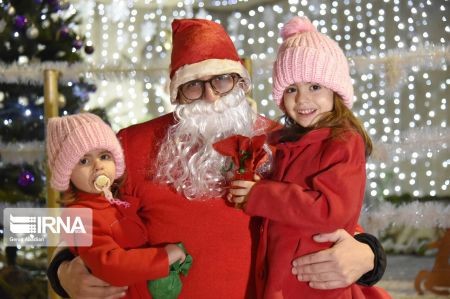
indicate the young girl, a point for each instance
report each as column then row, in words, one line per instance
column 319, row 175
column 85, row 157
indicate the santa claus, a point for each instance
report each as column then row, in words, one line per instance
column 175, row 173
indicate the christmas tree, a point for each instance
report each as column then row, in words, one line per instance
column 32, row 33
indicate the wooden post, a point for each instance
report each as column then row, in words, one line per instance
column 51, row 96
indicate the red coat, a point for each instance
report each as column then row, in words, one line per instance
column 317, row 186
column 216, row 235
column 120, row 253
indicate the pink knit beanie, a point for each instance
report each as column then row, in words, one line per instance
column 309, row 56
column 71, row 137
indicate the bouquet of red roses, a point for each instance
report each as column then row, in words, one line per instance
column 247, row 154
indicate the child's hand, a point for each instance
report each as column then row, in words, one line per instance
column 175, row 253
column 239, row 190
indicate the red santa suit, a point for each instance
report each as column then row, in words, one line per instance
column 218, row 237
column 317, row 186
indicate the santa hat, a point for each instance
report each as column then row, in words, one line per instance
column 202, row 48
column 309, row 56
column 70, row 137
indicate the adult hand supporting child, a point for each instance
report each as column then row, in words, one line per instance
column 92, row 286
column 320, row 268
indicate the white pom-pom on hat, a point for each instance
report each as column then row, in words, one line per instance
column 296, row 25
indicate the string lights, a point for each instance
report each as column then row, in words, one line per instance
column 398, row 60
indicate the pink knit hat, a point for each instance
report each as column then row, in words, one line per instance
column 71, row 137
column 307, row 55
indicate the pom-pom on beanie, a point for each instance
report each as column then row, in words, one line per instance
column 308, row 56
column 71, row 137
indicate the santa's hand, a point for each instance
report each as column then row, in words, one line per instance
column 335, row 267
column 79, row 283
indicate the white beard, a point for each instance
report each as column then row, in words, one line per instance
column 186, row 158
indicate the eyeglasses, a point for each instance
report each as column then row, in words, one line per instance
column 220, row 84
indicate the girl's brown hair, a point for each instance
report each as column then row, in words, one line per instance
column 339, row 119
